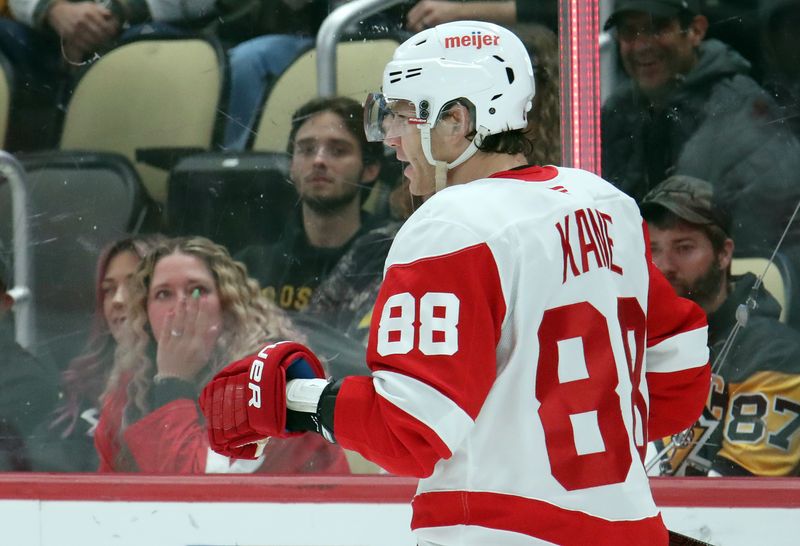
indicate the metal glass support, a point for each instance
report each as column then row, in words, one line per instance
column 331, row 30
column 12, row 171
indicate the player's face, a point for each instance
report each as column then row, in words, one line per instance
column 175, row 278
column 327, row 165
column 114, row 287
column 686, row 257
column 406, row 140
column 655, row 50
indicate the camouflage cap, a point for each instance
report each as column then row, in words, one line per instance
column 689, row 198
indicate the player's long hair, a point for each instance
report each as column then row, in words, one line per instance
column 544, row 122
column 248, row 320
column 84, row 378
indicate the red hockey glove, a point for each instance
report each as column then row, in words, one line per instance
column 246, row 401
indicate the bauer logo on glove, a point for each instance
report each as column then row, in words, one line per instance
column 246, row 401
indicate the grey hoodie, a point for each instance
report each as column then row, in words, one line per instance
column 720, row 126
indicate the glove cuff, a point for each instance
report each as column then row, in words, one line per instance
column 305, row 398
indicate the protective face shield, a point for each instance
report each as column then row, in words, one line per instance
column 387, row 118
column 481, row 62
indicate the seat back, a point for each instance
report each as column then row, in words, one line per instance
column 6, row 85
column 360, row 67
column 234, row 199
column 78, row 203
column 149, row 93
column 779, row 279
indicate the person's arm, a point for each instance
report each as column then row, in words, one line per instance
column 677, row 371
column 429, row 13
column 83, row 26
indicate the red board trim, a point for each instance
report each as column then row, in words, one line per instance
column 690, row 492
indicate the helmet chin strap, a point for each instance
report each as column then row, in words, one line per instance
column 442, row 166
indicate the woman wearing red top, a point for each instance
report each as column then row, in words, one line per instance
column 192, row 310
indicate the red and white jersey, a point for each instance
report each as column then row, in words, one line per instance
column 522, row 348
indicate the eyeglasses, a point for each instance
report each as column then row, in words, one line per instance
column 656, row 28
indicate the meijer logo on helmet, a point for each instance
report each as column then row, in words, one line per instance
column 476, row 40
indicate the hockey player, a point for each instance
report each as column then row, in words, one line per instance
column 523, row 348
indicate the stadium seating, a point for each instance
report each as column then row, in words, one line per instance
column 359, row 72
column 779, row 279
column 149, row 93
column 6, row 86
column 78, row 203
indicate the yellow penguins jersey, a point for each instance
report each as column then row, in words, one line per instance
column 751, row 423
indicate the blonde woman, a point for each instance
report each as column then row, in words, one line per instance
column 65, row 441
column 193, row 309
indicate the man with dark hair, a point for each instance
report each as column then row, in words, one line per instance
column 332, row 168
column 691, row 108
column 751, row 425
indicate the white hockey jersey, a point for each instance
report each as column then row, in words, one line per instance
column 523, row 348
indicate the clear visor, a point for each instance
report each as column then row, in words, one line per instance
column 389, row 118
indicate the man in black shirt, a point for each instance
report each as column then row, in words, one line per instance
column 332, row 167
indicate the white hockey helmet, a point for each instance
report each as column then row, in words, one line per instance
column 482, row 62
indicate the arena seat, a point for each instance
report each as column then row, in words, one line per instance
column 360, row 66
column 234, row 199
column 6, row 86
column 78, row 202
column 148, row 93
column 779, row 279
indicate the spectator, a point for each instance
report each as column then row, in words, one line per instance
column 192, row 309
column 332, row 167
column 65, row 442
column 749, row 426
column 429, row 13
column 28, row 389
column 689, row 108
column 46, row 38
column 780, row 45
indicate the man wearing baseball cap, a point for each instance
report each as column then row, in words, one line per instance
column 745, row 429
column 690, row 107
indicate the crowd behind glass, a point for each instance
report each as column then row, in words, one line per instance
column 701, row 128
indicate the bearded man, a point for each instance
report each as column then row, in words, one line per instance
column 751, row 423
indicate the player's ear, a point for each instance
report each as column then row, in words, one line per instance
column 458, row 121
